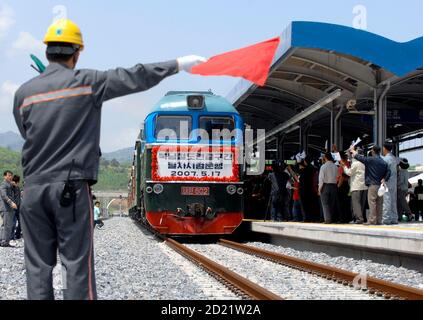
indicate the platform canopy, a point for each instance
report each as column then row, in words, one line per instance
column 351, row 73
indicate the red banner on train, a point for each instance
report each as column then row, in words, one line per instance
column 195, row 164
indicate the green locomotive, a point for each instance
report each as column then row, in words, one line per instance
column 187, row 174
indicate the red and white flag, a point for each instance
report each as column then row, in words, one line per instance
column 252, row 63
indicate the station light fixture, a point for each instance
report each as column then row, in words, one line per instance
column 149, row 190
column 196, row 102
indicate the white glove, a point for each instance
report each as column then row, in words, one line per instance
column 188, row 62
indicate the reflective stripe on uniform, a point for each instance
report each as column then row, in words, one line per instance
column 90, row 257
column 56, row 95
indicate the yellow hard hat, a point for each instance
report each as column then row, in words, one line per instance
column 64, row 30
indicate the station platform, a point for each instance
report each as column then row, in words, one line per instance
column 400, row 245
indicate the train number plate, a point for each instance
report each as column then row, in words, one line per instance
column 195, row 191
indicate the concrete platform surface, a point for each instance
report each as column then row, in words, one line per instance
column 401, row 239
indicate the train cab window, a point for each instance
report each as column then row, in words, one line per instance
column 214, row 125
column 173, row 127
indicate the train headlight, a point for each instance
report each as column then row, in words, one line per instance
column 158, row 188
column 149, row 190
column 240, row 191
column 231, row 190
column 196, row 102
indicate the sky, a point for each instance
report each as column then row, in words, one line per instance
column 123, row 33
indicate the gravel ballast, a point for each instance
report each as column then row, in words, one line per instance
column 130, row 264
column 394, row 274
column 133, row 265
column 288, row 283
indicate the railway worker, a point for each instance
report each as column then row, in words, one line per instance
column 7, row 209
column 390, row 210
column 376, row 171
column 58, row 114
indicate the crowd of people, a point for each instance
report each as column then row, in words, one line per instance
column 10, row 202
column 370, row 189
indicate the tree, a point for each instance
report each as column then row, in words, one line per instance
column 114, row 163
column 104, row 162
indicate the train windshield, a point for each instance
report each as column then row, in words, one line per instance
column 173, row 127
column 214, row 125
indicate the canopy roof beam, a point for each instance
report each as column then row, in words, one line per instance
column 261, row 112
column 341, row 65
column 316, row 74
column 280, row 95
column 297, row 89
column 303, row 115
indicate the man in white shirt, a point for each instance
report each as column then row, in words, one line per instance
column 358, row 188
column 327, row 187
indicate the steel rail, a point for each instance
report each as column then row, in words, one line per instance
column 234, row 281
column 375, row 286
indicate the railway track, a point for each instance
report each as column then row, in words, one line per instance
column 247, row 289
column 233, row 281
column 374, row 286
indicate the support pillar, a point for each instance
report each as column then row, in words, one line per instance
column 332, row 128
column 381, row 118
column 337, row 128
column 304, row 132
column 381, row 121
column 281, row 147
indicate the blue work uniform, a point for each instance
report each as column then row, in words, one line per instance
column 58, row 114
column 6, row 212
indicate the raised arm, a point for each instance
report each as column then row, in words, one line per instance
column 360, row 158
column 121, row 82
column 350, row 171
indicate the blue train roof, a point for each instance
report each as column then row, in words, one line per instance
column 176, row 101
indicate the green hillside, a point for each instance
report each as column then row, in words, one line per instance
column 113, row 175
column 10, row 160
